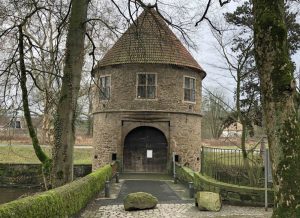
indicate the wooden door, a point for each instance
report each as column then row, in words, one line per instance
column 140, row 142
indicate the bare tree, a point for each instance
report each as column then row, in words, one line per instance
column 215, row 111
column 35, row 60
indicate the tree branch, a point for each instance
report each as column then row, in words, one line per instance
column 204, row 16
column 112, row 29
column 92, row 53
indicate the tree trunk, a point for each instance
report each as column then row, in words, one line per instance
column 241, row 119
column 278, row 90
column 46, row 121
column 245, row 154
column 46, row 162
column 64, row 125
column 90, row 118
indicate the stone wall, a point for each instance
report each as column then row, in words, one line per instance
column 183, row 133
column 185, row 140
column 169, row 89
column 180, row 121
column 106, row 138
column 31, row 174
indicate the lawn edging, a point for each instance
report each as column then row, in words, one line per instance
column 63, row 201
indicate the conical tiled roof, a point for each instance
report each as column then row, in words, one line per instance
column 149, row 40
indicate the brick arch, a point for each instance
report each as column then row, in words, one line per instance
column 161, row 126
column 137, row 143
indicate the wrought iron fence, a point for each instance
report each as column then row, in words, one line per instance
column 232, row 166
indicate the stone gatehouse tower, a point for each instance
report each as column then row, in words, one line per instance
column 148, row 99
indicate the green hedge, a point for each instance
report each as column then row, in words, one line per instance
column 59, row 202
column 184, row 174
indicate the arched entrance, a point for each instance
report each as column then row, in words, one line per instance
column 145, row 150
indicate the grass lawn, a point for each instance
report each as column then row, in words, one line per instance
column 230, row 157
column 25, row 154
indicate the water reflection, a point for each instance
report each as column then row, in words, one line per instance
column 10, row 194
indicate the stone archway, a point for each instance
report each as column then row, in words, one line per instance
column 145, row 150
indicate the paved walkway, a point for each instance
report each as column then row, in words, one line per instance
column 173, row 201
column 159, row 189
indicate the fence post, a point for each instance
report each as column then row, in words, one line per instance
column 191, row 189
column 262, row 148
column 174, row 168
column 117, row 177
column 106, row 189
column 266, row 154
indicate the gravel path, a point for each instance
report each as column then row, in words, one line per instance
column 187, row 210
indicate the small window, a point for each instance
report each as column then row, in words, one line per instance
column 189, row 89
column 146, row 85
column 15, row 124
column 105, row 84
column 18, row 124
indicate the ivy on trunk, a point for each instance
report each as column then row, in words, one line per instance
column 278, row 92
column 64, row 129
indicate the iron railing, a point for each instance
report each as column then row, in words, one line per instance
column 229, row 165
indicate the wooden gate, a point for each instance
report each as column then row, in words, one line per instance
column 145, row 150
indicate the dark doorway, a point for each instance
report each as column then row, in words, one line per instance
column 145, row 150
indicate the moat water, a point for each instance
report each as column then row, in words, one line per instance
column 10, row 194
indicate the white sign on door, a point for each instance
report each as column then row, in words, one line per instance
column 149, row 153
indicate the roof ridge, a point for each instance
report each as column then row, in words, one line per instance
column 150, row 41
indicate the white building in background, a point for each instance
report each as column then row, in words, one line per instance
column 234, row 130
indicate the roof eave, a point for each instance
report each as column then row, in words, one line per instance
column 199, row 70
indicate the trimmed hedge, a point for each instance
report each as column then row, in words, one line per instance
column 59, row 202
